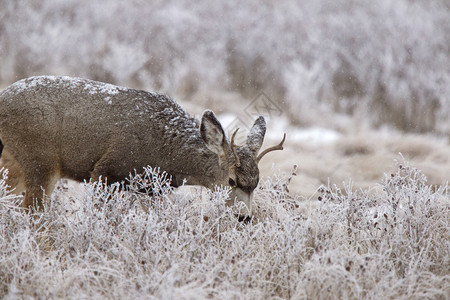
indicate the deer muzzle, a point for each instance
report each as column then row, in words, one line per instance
column 239, row 197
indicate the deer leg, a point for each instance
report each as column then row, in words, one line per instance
column 38, row 184
column 29, row 179
column 39, row 178
column 108, row 167
column 33, row 198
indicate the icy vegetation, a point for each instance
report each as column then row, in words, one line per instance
column 351, row 82
column 383, row 62
column 106, row 243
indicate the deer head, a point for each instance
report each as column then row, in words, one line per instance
column 238, row 163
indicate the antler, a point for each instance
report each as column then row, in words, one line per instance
column 233, row 148
column 277, row 147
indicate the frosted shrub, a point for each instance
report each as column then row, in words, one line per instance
column 311, row 58
column 6, row 197
column 102, row 244
column 416, row 222
column 398, row 235
column 150, row 182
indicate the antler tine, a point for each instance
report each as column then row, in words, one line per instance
column 277, row 147
column 233, row 148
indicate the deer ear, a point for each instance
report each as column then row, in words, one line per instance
column 255, row 137
column 212, row 133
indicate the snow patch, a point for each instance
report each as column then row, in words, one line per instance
column 314, row 135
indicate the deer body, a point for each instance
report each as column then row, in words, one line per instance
column 54, row 127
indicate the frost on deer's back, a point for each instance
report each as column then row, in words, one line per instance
column 164, row 113
column 108, row 100
column 65, row 82
column 94, row 87
column 28, row 84
column 178, row 122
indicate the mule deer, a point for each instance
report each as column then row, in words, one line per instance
column 53, row 127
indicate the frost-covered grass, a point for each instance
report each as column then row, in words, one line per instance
column 101, row 243
column 384, row 62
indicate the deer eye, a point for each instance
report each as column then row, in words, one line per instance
column 231, row 182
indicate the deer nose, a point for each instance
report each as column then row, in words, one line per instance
column 244, row 218
column 240, row 196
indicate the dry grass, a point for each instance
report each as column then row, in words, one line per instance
column 99, row 243
column 363, row 156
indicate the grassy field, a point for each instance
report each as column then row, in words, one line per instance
column 99, row 242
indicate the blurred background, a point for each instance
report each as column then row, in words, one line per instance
column 353, row 83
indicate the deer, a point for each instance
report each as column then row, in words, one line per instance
column 54, row 127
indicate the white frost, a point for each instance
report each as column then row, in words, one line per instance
column 92, row 87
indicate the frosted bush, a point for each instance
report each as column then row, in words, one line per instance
column 350, row 244
column 384, row 62
column 400, row 235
